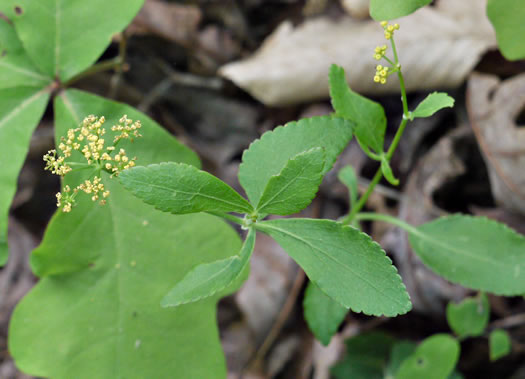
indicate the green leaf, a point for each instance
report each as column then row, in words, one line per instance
column 345, row 263
column 268, row 155
column 20, row 110
column 434, row 358
column 431, row 104
column 366, row 356
column 382, row 10
column 179, row 188
column 507, row 18
column 387, row 171
column 399, row 353
column 348, row 177
column 368, row 116
column 207, row 279
column 322, row 314
column 16, row 68
column 470, row 317
column 295, row 186
column 95, row 312
column 475, row 252
column 500, row 344
column 65, row 37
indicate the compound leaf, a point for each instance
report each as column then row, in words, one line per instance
column 322, row 314
column 434, row 358
column 500, row 344
column 95, row 312
column 470, row 317
column 344, row 263
column 475, row 252
column 295, row 186
column 366, row 356
column 368, row 116
column 64, row 37
column 268, row 155
column 207, row 279
column 431, row 104
column 180, row 188
column 20, row 110
column 382, row 10
column 507, row 18
column 16, row 68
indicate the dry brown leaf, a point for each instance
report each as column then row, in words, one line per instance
column 175, row 22
column 438, row 48
column 357, row 8
column 493, row 107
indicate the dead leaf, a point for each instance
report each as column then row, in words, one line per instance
column 438, row 47
column 174, row 22
column 493, row 107
column 357, row 8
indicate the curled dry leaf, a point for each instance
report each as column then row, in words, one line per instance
column 493, row 108
column 438, row 48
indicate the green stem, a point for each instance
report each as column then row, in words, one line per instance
column 369, row 216
column 401, row 79
column 99, row 67
column 393, row 146
column 79, row 164
column 234, row 219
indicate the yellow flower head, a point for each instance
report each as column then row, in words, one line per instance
column 88, row 140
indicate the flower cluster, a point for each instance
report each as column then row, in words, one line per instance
column 66, row 199
column 88, row 140
column 381, row 74
column 389, row 29
column 56, row 165
column 126, row 127
column 379, row 52
column 94, row 187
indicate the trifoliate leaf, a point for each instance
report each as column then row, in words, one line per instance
column 95, row 313
column 295, row 186
column 16, row 68
column 366, row 356
column 322, row 314
column 368, row 116
column 344, row 263
column 384, row 10
column 387, row 171
column 434, row 358
column 470, row 317
column 348, row 177
column 507, row 18
column 431, row 104
column 475, row 252
column 180, row 188
column 500, row 344
column 207, row 279
column 64, row 38
column 268, row 155
column 20, row 111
